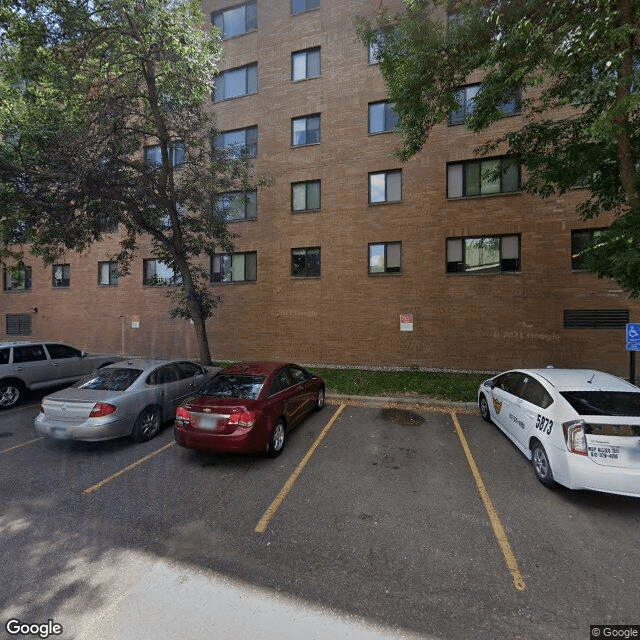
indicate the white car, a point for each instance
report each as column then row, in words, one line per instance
column 579, row 427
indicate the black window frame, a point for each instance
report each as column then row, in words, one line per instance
column 248, row 150
column 113, row 273
column 386, row 174
column 22, row 275
column 248, row 200
column 506, row 163
column 221, row 76
column 66, row 282
column 306, row 118
column 464, row 102
column 309, row 267
column 155, row 281
column 387, row 271
column 174, row 147
column 576, row 250
column 306, row 53
column 461, row 265
column 388, row 110
column 217, row 276
column 307, row 184
column 247, row 29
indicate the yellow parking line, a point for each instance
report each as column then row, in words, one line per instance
column 100, row 484
column 498, row 529
column 24, row 444
column 275, row 505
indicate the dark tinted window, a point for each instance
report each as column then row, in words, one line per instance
column 510, row 382
column 189, row 369
column 30, row 353
column 4, row 356
column 536, row 394
column 605, row 403
column 110, row 379
column 234, row 386
column 297, row 375
column 280, row 382
column 62, row 351
column 163, row 375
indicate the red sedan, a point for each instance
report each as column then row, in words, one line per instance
column 248, row 407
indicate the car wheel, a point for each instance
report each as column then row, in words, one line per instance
column 10, row 394
column 541, row 465
column 319, row 400
column 484, row 408
column 147, row 424
column 276, row 441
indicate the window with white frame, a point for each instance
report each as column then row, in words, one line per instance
column 108, row 273
column 236, row 21
column 482, row 177
column 234, row 267
column 238, row 142
column 157, row 273
column 60, row 275
column 466, row 99
column 483, row 254
column 382, row 117
column 305, row 262
column 235, row 83
column 385, row 186
column 305, row 64
column 305, row 130
column 385, row 257
column 305, row 196
column 17, row 278
column 153, row 154
column 300, row 6
column 235, row 206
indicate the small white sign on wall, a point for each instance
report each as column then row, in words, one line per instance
column 406, row 322
column 135, row 322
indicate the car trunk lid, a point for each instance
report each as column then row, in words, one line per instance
column 613, row 441
column 213, row 414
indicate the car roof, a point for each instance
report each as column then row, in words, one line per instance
column 145, row 363
column 22, row 343
column 264, row 368
column 582, row 380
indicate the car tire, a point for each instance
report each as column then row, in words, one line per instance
column 483, row 405
column 147, row 424
column 319, row 400
column 11, row 392
column 541, row 465
column 276, row 440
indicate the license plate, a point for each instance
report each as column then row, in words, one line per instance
column 208, row 423
column 58, row 432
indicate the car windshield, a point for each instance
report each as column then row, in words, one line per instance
column 110, row 379
column 604, row 403
column 231, row 386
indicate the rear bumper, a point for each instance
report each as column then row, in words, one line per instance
column 90, row 430
column 583, row 473
column 243, row 440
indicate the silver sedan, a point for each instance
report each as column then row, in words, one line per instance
column 131, row 398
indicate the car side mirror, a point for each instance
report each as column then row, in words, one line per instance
column 490, row 384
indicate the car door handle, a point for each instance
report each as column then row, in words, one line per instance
column 163, row 394
column 18, row 368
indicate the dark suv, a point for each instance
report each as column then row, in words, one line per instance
column 34, row 365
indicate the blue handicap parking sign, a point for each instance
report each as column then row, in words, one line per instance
column 633, row 332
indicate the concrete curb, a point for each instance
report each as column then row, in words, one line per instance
column 415, row 401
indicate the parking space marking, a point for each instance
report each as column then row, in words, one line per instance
column 498, row 529
column 275, row 505
column 24, row 444
column 128, row 468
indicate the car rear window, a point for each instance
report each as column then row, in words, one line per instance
column 242, row 387
column 604, row 403
column 110, row 379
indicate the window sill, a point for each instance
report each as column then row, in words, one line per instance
column 385, row 275
column 232, row 282
column 303, row 146
column 485, row 195
column 299, row 13
column 244, row 95
column 241, row 220
column 379, row 204
column 246, row 33
column 305, row 79
column 459, row 274
column 299, row 211
column 300, row 278
column 17, row 290
column 380, row 133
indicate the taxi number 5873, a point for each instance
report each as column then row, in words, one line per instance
column 544, row 424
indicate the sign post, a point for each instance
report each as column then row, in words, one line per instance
column 633, row 345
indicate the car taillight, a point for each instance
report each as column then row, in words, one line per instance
column 183, row 417
column 41, row 409
column 242, row 418
column 101, row 409
column 574, row 437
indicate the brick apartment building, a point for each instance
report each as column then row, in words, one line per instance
column 347, row 242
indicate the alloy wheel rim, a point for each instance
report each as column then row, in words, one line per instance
column 149, row 423
column 278, row 437
column 541, row 463
column 8, row 396
column 321, row 398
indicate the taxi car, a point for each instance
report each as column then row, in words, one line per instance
column 580, row 428
column 249, row 407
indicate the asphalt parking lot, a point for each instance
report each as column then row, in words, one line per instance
column 424, row 523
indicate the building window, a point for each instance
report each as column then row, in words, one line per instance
column 305, row 130
column 234, row 267
column 482, row 177
column 385, row 257
column 385, row 186
column 305, row 196
column 17, row 324
column 376, row 46
column 235, row 83
column 153, row 155
column 238, row 205
column 238, row 143
column 17, row 279
column 305, row 64
column 300, row 6
column 595, row 318
column 108, row 273
column 483, row 254
column 580, row 240
column 305, row 263
column 60, row 275
column 466, row 99
column 236, row 21
column 158, row 274
column 382, row 117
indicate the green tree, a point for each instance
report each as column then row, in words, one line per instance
column 86, row 85
column 574, row 68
